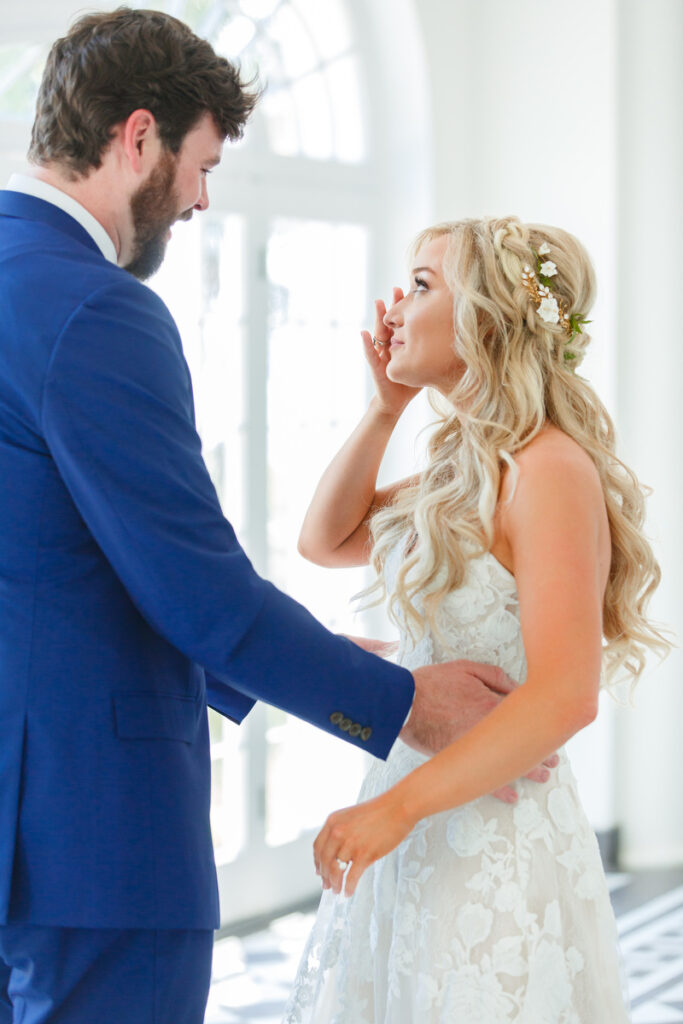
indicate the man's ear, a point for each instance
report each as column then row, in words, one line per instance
column 140, row 140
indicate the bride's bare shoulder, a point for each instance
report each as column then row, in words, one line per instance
column 553, row 479
column 552, row 456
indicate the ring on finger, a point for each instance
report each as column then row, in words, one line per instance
column 343, row 864
column 377, row 343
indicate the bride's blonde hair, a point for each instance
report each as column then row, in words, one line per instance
column 519, row 375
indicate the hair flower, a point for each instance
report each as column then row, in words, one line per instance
column 549, row 310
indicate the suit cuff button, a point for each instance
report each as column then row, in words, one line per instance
column 366, row 733
column 355, row 729
column 345, row 724
column 336, row 717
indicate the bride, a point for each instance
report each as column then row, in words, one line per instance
column 520, row 545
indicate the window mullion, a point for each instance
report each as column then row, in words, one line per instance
column 255, row 486
column 256, row 374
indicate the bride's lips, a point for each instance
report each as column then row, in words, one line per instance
column 395, row 344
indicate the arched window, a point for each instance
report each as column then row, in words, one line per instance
column 270, row 287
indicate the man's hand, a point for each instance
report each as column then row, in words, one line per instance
column 451, row 698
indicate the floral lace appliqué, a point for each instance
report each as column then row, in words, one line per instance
column 488, row 914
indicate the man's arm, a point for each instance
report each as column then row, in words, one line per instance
column 117, row 416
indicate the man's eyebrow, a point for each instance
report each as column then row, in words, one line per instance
column 213, row 161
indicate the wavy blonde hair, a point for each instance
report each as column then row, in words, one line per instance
column 519, row 374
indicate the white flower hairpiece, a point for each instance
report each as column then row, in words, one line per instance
column 551, row 309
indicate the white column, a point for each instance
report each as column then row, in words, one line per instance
column 650, row 409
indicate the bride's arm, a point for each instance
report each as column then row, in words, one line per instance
column 553, row 527
column 335, row 531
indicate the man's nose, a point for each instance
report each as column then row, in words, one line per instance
column 203, row 201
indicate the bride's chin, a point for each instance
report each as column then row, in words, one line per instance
column 396, row 377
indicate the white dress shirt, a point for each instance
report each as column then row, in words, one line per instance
column 41, row 190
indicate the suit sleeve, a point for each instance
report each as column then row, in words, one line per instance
column 117, row 416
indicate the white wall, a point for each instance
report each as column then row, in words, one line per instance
column 571, row 114
column 650, row 378
column 524, row 114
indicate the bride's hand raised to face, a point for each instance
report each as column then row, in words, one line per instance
column 391, row 397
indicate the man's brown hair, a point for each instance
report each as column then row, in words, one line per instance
column 109, row 65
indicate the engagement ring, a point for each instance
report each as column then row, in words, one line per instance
column 343, row 864
column 376, row 342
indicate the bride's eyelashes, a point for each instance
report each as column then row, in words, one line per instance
column 420, row 284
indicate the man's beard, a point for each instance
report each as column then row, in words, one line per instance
column 154, row 208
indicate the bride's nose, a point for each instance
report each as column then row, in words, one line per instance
column 394, row 315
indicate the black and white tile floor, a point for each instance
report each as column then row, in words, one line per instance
column 252, row 974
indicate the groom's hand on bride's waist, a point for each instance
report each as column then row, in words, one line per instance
column 451, row 698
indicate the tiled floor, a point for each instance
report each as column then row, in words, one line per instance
column 252, row 975
column 651, row 938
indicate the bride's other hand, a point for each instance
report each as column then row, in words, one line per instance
column 391, row 398
column 358, row 836
column 354, row 838
column 382, row 648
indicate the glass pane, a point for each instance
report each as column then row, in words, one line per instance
column 328, row 23
column 347, row 111
column 215, row 726
column 21, row 68
column 316, row 395
column 280, row 113
column 298, row 798
column 297, row 51
column 301, row 51
column 313, row 108
column 235, row 36
column 201, row 281
column 228, row 790
column 191, row 11
column 259, row 9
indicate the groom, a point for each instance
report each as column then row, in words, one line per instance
column 126, row 603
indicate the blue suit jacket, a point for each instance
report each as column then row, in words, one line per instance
column 125, row 599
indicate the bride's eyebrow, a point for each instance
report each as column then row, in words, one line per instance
column 422, row 270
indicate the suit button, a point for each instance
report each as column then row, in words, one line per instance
column 366, row 733
column 355, row 729
column 345, row 724
column 336, row 717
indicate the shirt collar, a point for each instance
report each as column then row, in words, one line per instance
column 41, row 190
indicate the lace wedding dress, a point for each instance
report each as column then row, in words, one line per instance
column 488, row 914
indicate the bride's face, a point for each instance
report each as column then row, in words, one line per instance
column 422, row 353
